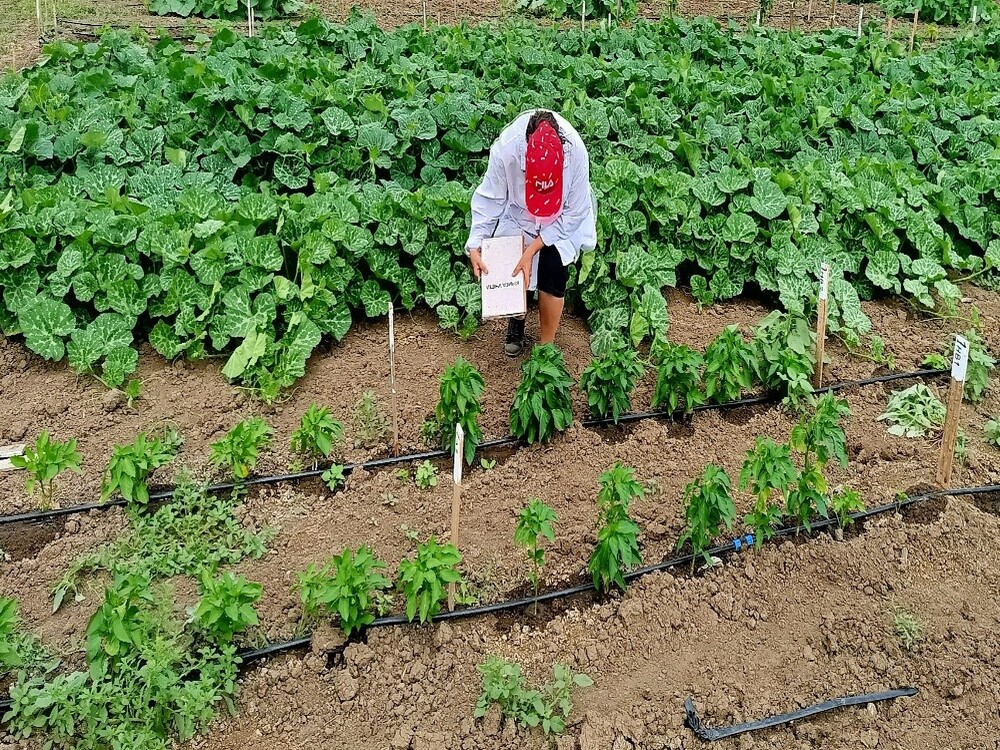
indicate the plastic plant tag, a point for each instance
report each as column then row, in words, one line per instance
column 960, row 359
column 459, row 453
column 824, row 287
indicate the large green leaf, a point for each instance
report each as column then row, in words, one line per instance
column 45, row 324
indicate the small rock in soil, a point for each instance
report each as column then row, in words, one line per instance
column 112, row 401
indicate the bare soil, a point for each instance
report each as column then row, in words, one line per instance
column 765, row 633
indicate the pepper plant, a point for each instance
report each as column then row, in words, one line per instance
column 767, row 471
column 617, row 540
column 424, row 579
column 534, row 523
column 729, row 366
column 348, row 585
column 609, row 381
column 131, row 464
column 118, row 627
column 44, row 461
column 226, row 606
column 318, row 433
column 543, row 402
column 9, row 656
column 844, row 502
column 784, row 356
column 240, row 449
column 460, row 388
column 708, row 508
column 678, row 377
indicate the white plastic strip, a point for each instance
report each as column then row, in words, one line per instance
column 824, row 287
column 459, row 453
column 960, row 359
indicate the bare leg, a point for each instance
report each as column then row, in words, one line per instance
column 550, row 311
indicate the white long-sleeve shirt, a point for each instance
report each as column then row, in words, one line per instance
column 498, row 206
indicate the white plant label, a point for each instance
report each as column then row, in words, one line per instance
column 392, row 330
column 824, row 286
column 459, row 453
column 960, row 359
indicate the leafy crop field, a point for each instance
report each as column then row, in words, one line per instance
column 265, row 206
column 199, row 243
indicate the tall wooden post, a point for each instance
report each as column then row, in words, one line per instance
column 913, row 31
column 456, row 500
column 959, row 365
column 821, row 314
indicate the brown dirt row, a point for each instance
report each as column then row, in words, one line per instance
column 414, row 687
column 196, row 400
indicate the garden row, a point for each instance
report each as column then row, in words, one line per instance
column 133, row 636
column 257, row 195
column 779, row 358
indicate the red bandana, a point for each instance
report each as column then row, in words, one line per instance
column 543, row 188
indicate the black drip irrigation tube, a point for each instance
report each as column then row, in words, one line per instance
column 740, row 543
column 378, row 463
column 712, row 735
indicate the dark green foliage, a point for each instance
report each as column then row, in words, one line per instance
column 609, row 381
column 548, row 707
column 240, row 448
column 768, row 471
column 617, row 548
column 461, row 387
column 347, row 585
column 226, row 606
column 708, row 508
column 729, row 366
column 785, row 356
column 678, row 377
column 543, row 403
column 424, row 579
column 235, row 10
column 219, row 201
column 318, row 433
column 131, row 464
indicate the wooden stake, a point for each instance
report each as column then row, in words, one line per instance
column 888, row 29
column 456, row 501
column 861, row 16
column 392, row 381
column 249, row 20
column 959, row 365
column 425, row 16
column 824, row 293
column 809, row 12
column 38, row 14
column 758, row 16
column 618, row 13
column 913, row 31
column 791, row 17
column 833, row 13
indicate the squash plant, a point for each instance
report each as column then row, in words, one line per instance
column 609, row 381
column 543, row 402
column 460, row 388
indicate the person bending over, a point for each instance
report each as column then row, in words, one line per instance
column 537, row 184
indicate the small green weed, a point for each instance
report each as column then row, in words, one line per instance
column 908, row 628
column 370, row 425
column 44, row 461
column 425, row 476
column 548, row 707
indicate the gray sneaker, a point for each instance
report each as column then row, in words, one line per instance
column 515, row 338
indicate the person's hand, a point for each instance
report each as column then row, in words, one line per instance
column 524, row 266
column 476, row 260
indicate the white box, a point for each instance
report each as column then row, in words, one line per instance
column 504, row 296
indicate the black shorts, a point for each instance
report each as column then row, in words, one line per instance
column 552, row 274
